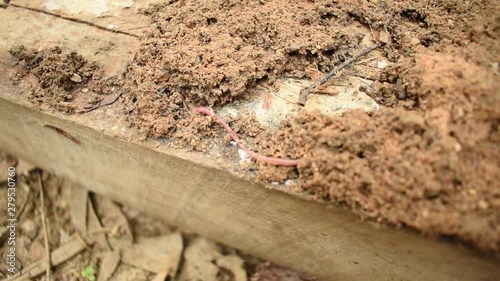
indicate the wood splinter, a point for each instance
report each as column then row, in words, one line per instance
column 236, row 138
column 304, row 93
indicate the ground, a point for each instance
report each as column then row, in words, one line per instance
column 113, row 242
column 427, row 159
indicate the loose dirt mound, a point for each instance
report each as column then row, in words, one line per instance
column 66, row 82
column 430, row 162
column 211, row 52
column 58, row 74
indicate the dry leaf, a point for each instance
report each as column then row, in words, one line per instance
column 112, row 217
column 154, row 254
column 78, row 208
column 234, row 264
column 198, row 261
column 108, row 265
column 58, row 256
column 95, row 230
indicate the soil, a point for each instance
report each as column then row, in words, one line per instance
column 65, row 82
column 212, row 52
column 428, row 159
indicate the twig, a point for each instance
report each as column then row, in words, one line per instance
column 275, row 94
column 74, row 20
column 135, row 27
column 102, row 104
column 58, row 256
column 23, row 207
column 360, row 75
column 44, row 224
column 305, row 92
column 236, row 138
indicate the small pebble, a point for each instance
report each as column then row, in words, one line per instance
column 243, row 155
column 478, row 29
column 381, row 64
column 483, row 204
column 415, row 41
column 425, row 213
column 29, row 228
column 76, row 78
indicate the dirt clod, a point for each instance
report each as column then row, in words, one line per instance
column 66, row 82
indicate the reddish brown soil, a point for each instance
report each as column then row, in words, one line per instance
column 65, row 82
column 211, row 52
column 429, row 159
column 434, row 168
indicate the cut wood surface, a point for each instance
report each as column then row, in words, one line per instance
column 195, row 192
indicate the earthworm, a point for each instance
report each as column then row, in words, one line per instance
column 236, row 138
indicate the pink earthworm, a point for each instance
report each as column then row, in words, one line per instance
column 236, row 138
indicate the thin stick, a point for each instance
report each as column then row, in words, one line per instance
column 21, row 211
column 101, row 104
column 305, row 92
column 73, row 20
column 274, row 94
column 236, row 138
column 135, row 27
column 44, row 224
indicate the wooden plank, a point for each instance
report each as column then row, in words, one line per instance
column 193, row 191
column 327, row 242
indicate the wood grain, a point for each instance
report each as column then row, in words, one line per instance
column 327, row 242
